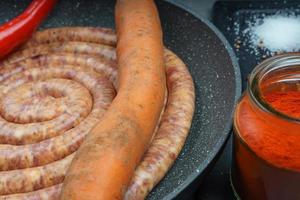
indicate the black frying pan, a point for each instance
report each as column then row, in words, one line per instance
column 210, row 60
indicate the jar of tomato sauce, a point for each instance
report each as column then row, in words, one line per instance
column 266, row 147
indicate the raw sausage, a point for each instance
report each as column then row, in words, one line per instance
column 79, row 61
column 172, row 132
column 120, row 139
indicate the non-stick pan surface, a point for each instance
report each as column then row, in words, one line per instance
column 209, row 58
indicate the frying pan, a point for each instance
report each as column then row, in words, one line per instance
column 211, row 62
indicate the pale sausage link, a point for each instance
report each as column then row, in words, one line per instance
column 29, row 116
column 81, row 34
column 99, row 64
column 17, row 157
column 30, row 179
column 58, row 71
column 171, row 132
column 50, row 193
column 90, row 49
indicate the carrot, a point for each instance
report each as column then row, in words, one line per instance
column 105, row 162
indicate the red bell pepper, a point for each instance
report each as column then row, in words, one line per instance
column 17, row 31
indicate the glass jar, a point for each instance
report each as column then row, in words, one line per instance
column 266, row 144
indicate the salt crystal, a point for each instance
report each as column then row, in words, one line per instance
column 275, row 33
column 278, row 33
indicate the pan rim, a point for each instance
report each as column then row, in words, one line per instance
column 227, row 129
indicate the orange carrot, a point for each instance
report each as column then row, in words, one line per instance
column 105, row 162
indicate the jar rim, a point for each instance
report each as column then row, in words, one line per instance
column 268, row 65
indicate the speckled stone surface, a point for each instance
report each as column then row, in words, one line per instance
column 209, row 59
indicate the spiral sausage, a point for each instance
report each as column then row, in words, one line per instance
column 55, row 90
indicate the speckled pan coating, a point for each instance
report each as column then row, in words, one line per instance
column 209, row 58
